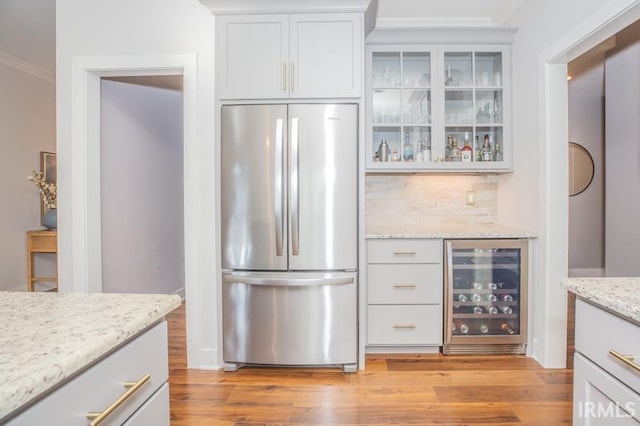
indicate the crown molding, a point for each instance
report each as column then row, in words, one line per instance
column 425, row 22
column 27, row 67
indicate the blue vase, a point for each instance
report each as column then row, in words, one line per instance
column 50, row 219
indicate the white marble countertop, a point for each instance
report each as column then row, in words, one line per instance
column 47, row 337
column 619, row 295
column 445, row 231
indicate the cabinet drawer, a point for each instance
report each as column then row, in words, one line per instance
column 44, row 242
column 404, row 284
column 103, row 383
column 404, row 325
column 600, row 399
column 154, row 412
column 598, row 331
column 404, row 251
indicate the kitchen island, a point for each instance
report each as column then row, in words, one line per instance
column 606, row 386
column 49, row 341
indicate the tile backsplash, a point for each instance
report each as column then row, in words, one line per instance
column 430, row 199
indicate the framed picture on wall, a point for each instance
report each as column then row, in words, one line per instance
column 49, row 170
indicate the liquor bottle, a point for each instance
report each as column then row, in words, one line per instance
column 394, row 156
column 487, row 155
column 476, row 298
column 506, row 328
column 507, row 298
column 478, row 156
column 456, row 150
column 497, row 153
column 463, row 298
column 448, row 153
column 477, row 310
column 492, row 310
column 407, row 148
column 506, row 309
column 466, row 153
column 484, row 328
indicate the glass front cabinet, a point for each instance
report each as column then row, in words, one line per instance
column 485, row 296
column 438, row 108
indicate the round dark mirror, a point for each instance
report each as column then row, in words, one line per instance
column 581, row 168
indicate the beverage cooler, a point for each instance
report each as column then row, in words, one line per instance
column 485, row 296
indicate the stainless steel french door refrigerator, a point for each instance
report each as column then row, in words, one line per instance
column 289, row 234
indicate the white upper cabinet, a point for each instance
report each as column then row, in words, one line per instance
column 276, row 56
column 441, row 106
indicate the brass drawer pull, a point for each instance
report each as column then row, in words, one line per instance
column 404, row 253
column 627, row 359
column 404, row 286
column 132, row 387
column 404, row 326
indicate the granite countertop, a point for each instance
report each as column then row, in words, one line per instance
column 47, row 337
column 619, row 295
column 445, row 231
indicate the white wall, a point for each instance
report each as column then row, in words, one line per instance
column 586, row 210
column 535, row 196
column 119, row 31
column 141, row 189
column 27, row 126
column 622, row 82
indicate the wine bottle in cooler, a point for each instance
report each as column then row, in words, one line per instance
column 463, row 298
column 507, row 328
column 484, row 328
column 492, row 310
column 477, row 310
column 506, row 309
column 506, row 298
column 462, row 327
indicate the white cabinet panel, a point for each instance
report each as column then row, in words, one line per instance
column 404, row 251
column 253, row 56
column 326, row 55
column 404, row 284
column 404, row 325
column 289, row 56
column 153, row 412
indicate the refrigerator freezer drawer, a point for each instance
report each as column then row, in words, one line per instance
column 289, row 318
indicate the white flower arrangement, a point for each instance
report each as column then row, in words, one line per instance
column 48, row 191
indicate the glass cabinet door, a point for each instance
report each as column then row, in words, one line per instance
column 473, row 106
column 401, row 107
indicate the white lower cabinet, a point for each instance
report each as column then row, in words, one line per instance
column 105, row 382
column 404, row 295
column 606, row 389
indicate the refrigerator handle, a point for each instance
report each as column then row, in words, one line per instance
column 293, row 196
column 278, row 199
column 284, row 282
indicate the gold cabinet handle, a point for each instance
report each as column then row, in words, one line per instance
column 293, row 73
column 407, row 326
column 404, row 253
column 404, row 286
column 132, row 387
column 627, row 359
column 284, row 76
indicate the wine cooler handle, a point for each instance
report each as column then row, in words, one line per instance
column 629, row 360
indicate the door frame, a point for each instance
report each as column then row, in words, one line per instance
column 81, row 239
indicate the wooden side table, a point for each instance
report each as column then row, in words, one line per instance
column 42, row 241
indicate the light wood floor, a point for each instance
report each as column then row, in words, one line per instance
column 415, row 390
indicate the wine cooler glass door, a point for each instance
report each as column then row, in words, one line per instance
column 486, row 296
